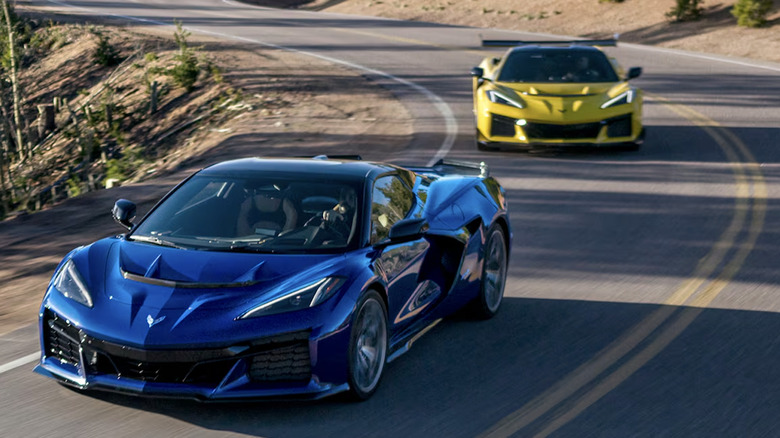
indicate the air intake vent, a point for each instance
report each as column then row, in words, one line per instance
column 61, row 339
column 549, row 131
column 502, row 126
column 619, row 126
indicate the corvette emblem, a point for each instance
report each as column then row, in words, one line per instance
column 151, row 321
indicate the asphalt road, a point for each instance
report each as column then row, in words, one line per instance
column 643, row 296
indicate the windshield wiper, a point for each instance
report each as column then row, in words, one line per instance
column 254, row 246
column 156, row 241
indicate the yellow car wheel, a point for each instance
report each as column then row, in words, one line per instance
column 482, row 144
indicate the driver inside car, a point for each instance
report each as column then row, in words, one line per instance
column 266, row 212
column 342, row 214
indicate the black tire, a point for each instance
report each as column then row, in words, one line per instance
column 637, row 144
column 367, row 346
column 494, row 271
column 483, row 145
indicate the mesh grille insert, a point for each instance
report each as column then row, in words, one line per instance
column 502, row 126
column 549, row 131
column 61, row 339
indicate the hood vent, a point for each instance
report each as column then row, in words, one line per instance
column 248, row 278
column 533, row 91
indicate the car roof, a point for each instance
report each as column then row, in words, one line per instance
column 322, row 167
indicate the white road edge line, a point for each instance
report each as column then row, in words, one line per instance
column 451, row 125
column 19, row 362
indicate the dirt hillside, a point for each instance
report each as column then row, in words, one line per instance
column 637, row 21
column 285, row 104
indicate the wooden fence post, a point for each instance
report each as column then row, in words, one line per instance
column 46, row 122
column 153, row 103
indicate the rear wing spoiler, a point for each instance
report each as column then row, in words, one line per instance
column 332, row 157
column 447, row 167
column 512, row 43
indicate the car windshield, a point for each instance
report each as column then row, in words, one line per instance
column 257, row 214
column 557, row 66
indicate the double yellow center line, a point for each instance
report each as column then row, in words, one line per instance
column 668, row 322
column 712, row 274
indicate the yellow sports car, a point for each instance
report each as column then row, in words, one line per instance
column 556, row 93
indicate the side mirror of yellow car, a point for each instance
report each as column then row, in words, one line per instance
column 633, row 72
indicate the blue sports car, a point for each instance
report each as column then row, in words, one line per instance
column 292, row 278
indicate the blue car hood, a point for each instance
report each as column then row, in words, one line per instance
column 146, row 294
column 159, row 277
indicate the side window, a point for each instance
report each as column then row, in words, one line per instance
column 391, row 201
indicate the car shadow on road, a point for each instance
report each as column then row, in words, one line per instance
column 716, row 379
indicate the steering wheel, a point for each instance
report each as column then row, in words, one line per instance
column 314, row 219
column 326, row 230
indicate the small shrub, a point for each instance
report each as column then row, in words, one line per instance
column 686, row 10
column 74, row 186
column 116, row 169
column 751, row 13
column 186, row 71
column 105, row 54
column 48, row 38
column 216, row 73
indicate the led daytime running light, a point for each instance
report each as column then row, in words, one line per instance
column 69, row 274
column 621, row 99
column 307, row 296
column 498, row 97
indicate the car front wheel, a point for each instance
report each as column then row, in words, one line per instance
column 482, row 144
column 368, row 346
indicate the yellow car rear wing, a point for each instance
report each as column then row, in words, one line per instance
column 512, row 43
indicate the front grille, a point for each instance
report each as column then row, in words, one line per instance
column 276, row 358
column 168, row 372
column 271, row 359
column 549, row 131
column 501, row 126
column 61, row 339
column 619, row 126
column 150, row 371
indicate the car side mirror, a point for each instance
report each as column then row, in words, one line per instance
column 634, row 72
column 477, row 72
column 124, row 213
column 408, row 229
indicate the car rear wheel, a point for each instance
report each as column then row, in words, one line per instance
column 494, row 270
column 368, row 346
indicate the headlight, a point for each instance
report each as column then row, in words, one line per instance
column 305, row 297
column 620, row 99
column 498, row 97
column 69, row 283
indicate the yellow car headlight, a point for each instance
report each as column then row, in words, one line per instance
column 501, row 98
column 621, row 99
